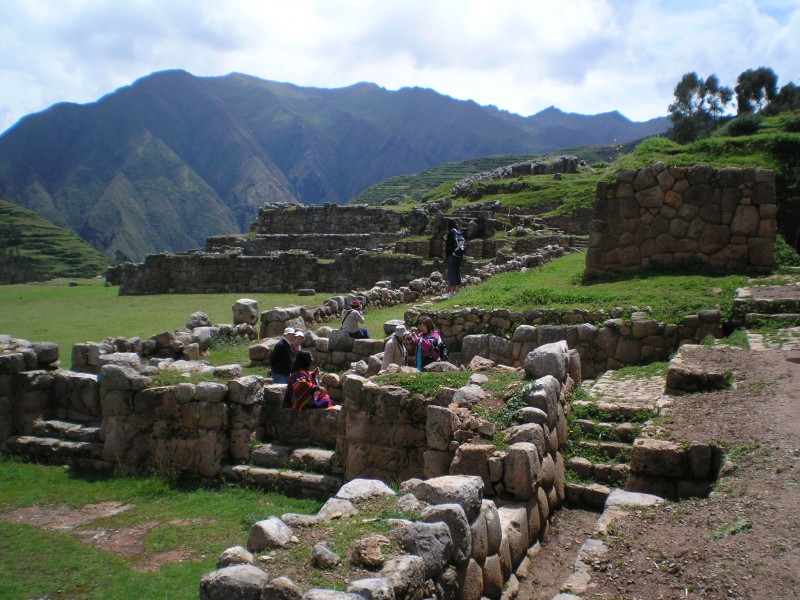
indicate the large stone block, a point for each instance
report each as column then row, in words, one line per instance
column 455, row 518
column 657, row 458
column 430, row 541
column 514, row 522
column 521, row 470
column 473, row 459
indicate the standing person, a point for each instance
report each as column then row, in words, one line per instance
column 427, row 343
column 280, row 361
column 454, row 251
column 304, row 389
column 395, row 352
column 352, row 319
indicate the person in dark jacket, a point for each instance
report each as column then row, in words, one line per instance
column 453, row 257
column 282, row 357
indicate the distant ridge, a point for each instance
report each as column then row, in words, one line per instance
column 164, row 163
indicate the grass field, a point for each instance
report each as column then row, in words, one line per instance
column 55, row 312
column 180, row 517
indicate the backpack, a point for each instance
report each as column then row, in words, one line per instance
column 461, row 244
column 442, row 351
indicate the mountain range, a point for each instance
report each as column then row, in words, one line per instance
column 173, row 158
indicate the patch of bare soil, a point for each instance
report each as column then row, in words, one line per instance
column 743, row 541
column 125, row 541
column 570, row 528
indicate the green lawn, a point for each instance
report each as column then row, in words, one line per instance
column 559, row 285
column 37, row 563
column 55, row 312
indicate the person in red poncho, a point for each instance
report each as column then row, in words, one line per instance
column 304, row 389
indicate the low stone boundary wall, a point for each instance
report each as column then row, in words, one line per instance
column 609, row 344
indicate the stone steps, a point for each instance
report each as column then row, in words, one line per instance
column 622, row 432
column 592, row 496
column 67, row 430
column 55, row 450
column 289, row 482
column 621, row 404
column 617, row 409
column 314, row 460
column 751, row 319
column 599, row 472
column 610, row 449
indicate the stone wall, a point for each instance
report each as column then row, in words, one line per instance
column 285, row 272
column 725, row 219
column 323, row 246
column 603, row 343
column 199, row 427
column 331, row 219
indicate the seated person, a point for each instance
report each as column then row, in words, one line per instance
column 304, row 389
column 395, row 352
column 282, row 357
column 352, row 319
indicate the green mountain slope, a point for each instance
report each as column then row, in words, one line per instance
column 164, row 163
column 34, row 249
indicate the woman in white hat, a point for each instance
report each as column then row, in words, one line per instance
column 395, row 351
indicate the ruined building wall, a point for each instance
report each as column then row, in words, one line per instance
column 323, row 246
column 328, row 219
column 723, row 218
column 286, row 272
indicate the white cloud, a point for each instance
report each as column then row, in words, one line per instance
column 585, row 56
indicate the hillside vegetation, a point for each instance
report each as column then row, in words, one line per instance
column 172, row 159
column 773, row 144
column 34, row 249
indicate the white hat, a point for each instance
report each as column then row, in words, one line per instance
column 400, row 330
column 301, row 333
column 289, row 331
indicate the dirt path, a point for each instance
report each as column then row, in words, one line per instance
column 743, row 542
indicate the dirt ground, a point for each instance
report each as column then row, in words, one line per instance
column 743, row 541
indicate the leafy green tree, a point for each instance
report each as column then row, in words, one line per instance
column 787, row 100
column 698, row 106
column 755, row 89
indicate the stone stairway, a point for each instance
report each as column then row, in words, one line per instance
column 305, row 472
column 62, row 442
column 602, row 438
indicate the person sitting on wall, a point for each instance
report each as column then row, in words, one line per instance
column 280, row 361
column 395, row 352
column 297, row 342
column 426, row 343
column 352, row 319
column 304, row 389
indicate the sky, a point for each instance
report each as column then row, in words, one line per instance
column 582, row 56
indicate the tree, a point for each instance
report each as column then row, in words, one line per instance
column 698, row 106
column 755, row 89
column 788, row 99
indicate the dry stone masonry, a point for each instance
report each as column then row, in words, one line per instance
column 725, row 219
